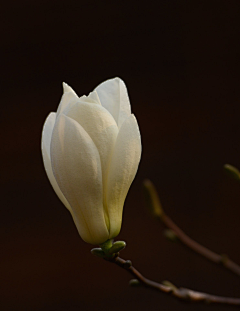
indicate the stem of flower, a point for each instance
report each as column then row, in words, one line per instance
column 106, row 245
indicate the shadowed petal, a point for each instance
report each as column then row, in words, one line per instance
column 77, row 169
column 46, row 140
column 123, row 168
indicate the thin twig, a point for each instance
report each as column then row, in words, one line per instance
column 184, row 294
column 155, row 206
column 198, row 248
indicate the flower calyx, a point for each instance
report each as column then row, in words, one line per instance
column 109, row 250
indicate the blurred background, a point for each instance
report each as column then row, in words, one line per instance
column 180, row 62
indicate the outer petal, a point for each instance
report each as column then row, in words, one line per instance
column 103, row 130
column 77, row 169
column 46, row 140
column 114, row 97
column 69, row 97
column 123, row 168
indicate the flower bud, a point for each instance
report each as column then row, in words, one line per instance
column 98, row 252
column 134, row 283
column 232, row 171
column 91, row 150
column 152, row 199
column 170, row 235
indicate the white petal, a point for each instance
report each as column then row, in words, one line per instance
column 91, row 98
column 123, row 168
column 68, row 98
column 47, row 131
column 46, row 140
column 114, row 97
column 100, row 126
column 77, row 169
column 103, row 130
column 125, row 107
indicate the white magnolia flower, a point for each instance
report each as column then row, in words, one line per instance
column 91, row 150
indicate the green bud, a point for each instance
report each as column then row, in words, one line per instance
column 224, row 258
column 152, row 199
column 117, row 247
column 134, row 283
column 169, row 284
column 170, row 235
column 98, row 252
column 232, row 171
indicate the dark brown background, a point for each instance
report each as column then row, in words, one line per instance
column 180, row 61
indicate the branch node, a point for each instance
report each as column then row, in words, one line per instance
column 127, row 264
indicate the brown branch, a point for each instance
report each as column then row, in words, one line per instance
column 158, row 212
column 198, row 248
column 184, row 294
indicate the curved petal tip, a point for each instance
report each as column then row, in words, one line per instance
column 67, row 88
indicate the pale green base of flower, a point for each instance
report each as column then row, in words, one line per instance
column 106, row 246
column 108, row 249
